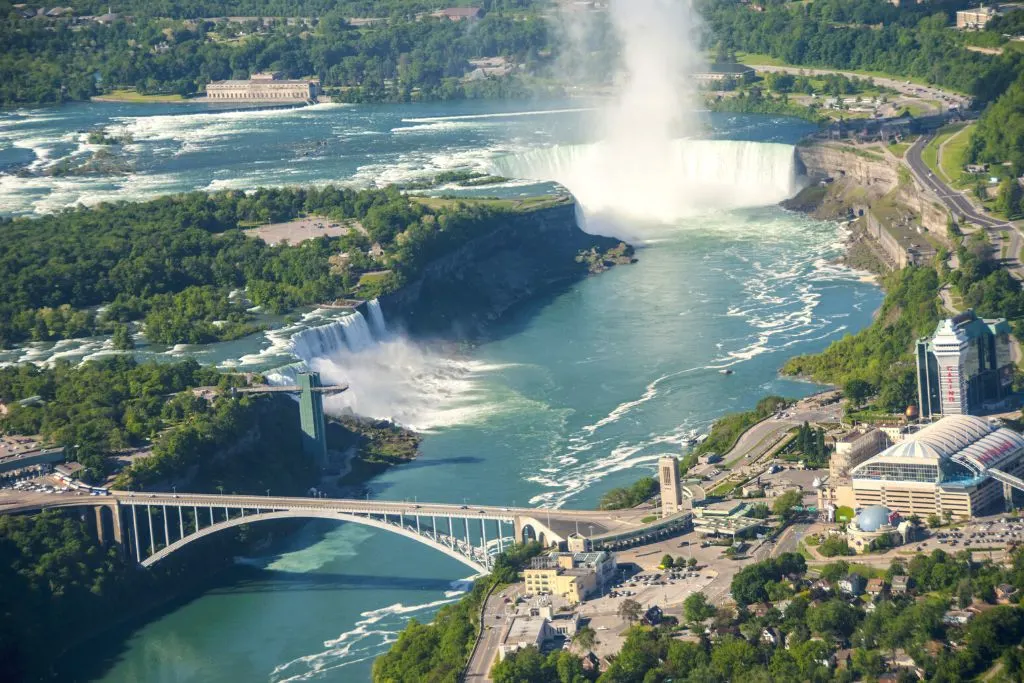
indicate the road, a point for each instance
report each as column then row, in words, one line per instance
column 757, row 440
column 495, row 620
column 944, row 97
column 960, row 205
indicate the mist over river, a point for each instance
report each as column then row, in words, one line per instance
column 570, row 396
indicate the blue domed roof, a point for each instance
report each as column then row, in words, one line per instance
column 873, row 518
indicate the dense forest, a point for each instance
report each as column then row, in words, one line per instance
column 173, row 262
column 826, row 637
column 870, row 35
column 53, row 60
column 100, row 409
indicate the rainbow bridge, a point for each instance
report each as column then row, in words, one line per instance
column 152, row 526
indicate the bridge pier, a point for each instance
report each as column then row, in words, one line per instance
column 100, row 532
column 152, row 538
column 135, row 535
column 118, row 527
column 483, row 538
column 1007, row 496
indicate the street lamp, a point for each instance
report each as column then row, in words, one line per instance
column 268, row 493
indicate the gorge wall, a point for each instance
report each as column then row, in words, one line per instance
column 897, row 219
column 525, row 254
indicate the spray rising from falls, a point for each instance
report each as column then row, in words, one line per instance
column 646, row 165
column 678, row 179
column 389, row 376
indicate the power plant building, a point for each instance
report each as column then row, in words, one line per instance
column 965, row 364
column 954, row 466
column 264, row 87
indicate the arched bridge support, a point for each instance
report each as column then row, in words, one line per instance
column 158, row 531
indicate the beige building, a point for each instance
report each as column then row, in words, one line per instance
column 571, row 576
column 951, row 466
column 264, row 87
column 975, row 18
column 671, row 487
column 523, row 632
column 853, row 449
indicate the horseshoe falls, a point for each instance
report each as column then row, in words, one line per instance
column 670, row 182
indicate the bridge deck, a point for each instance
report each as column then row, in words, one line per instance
column 562, row 522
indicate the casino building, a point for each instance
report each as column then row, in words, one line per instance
column 961, row 465
column 963, row 365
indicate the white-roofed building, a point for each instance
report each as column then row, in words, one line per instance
column 954, row 465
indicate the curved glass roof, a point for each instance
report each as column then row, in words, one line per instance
column 969, row 440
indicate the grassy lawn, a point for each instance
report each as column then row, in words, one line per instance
column 930, row 153
column 951, row 161
column 760, row 59
column 899, row 149
column 129, row 95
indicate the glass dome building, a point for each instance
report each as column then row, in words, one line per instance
column 873, row 518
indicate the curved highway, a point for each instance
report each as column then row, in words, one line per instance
column 960, row 205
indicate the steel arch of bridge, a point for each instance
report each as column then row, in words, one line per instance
column 455, row 542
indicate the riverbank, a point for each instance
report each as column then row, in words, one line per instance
column 137, row 97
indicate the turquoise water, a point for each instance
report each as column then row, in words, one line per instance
column 574, row 394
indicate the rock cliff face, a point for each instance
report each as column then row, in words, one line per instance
column 861, row 178
column 835, row 161
column 524, row 255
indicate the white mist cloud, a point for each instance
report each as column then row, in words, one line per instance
column 646, row 165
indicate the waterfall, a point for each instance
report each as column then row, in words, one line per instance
column 352, row 333
column 377, row 322
column 388, row 375
column 667, row 181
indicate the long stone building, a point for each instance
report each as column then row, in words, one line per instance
column 264, row 87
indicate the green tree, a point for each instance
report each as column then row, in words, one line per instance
column 122, row 338
column 666, row 562
column 586, row 638
column 784, row 504
column 858, row 391
column 630, row 610
column 833, row 546
column 1009, row 199
column 835, row 618
column 696, row 608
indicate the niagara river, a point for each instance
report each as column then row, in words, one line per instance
column 577, row 392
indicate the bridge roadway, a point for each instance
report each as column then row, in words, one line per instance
column 547, row 525
column 602, row 520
